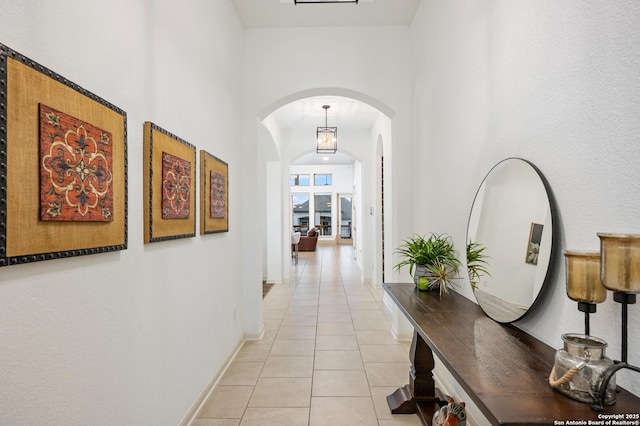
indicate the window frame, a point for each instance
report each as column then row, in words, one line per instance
column 328, row 178
column 295, row 179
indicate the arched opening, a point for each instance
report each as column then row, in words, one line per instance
column 291, row 124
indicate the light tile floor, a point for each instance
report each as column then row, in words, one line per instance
column 327, row 357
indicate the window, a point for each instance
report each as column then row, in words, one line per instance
column 300, row 207
column 299, row 180
column 322, row 179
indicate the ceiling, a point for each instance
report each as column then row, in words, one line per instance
column 284, row 13
column 333, row 159
column 307, row 114
column 343, row 113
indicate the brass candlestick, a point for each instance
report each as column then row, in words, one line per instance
column 583, row 282
column 620, row 273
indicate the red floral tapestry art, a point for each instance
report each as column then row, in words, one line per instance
column 176, row 187
column 217, row 196
column 76, row 169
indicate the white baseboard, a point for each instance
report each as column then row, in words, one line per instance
column 257, row 336
column 211, row 385
column 398, row 337
column 388, row 303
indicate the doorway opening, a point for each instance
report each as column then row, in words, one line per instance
column 337, row 193
column 346, row 214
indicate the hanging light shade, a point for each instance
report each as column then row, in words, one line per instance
column 326, row 137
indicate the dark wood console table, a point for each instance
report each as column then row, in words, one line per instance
column 503, row 369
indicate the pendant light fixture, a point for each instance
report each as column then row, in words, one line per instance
column 326, row 137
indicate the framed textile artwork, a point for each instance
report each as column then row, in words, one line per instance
column 214, row 194
column 76, row 169
column 63, row 166
column 169, row 186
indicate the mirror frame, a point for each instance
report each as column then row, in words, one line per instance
column 554, row 235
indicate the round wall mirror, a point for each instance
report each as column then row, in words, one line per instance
column 512, row 220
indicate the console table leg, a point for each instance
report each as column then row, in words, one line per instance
column 421, row 385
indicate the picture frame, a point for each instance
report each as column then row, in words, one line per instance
column 46, row 214
column 214, row 194
column 169, row 186
column 533, row 246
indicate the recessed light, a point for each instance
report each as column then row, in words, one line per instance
column 325, row 158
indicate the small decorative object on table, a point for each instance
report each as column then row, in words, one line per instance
column 452, row 414
column 433, row 257
column 580, row 364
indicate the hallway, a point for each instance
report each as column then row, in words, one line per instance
column 327, row 357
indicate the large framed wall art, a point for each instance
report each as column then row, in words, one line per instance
column 169, row 186
column 63, row 166
column 214, row 194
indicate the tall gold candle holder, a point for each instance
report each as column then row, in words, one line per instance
column 620, row 273
column 583, row 282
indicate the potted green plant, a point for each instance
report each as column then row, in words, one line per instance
column 434, row 259
column 476, row 262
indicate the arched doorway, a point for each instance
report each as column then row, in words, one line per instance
column 291, row 123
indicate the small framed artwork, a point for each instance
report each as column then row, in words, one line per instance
column 533, row 247
column 214, row 194
column 169, row 186
column 63, row 166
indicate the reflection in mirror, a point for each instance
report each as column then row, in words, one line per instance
column 511, row 217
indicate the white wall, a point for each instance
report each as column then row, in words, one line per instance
column 131, row 337
column 556, row 83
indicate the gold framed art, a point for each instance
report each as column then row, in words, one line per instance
column 214, row 194
column 169, row 186
column 63, row 166
column 533, row 247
